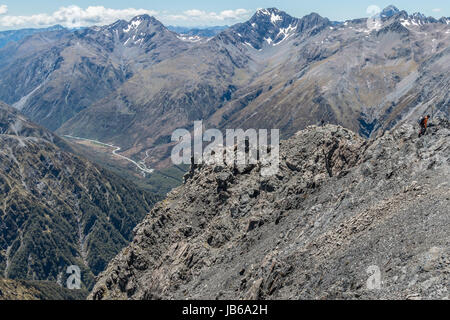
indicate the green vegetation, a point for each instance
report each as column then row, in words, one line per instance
column 37, row 290
column 162, row 181
column 61, row 210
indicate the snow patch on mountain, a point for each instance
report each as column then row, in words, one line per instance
column 133, row 25
column 274, row 18
column 188, row 38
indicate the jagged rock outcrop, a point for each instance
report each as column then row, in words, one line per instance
column 339, row 207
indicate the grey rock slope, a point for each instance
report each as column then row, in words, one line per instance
column 339, row 206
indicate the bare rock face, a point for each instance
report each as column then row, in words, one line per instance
column 344, row 218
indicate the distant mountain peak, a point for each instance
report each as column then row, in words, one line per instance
column 143, row 17
column 145, row 20
column 139, row 31
column 415, row 19
column 273, row 15
column 56, row 27
column 266, row 27
column 314, row 19
column 267, row 11
column 389, row 11
column 418, row 15
column 271, row 26
column 270, row 19
column 139, row 23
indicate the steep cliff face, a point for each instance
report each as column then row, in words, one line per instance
column 58, row 209
column 341, row 211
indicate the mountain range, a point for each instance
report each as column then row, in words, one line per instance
column 17, row 35
column 132, row 83
column 89, row 115
column 199, row 33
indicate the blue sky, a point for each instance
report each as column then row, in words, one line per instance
column 16, row 14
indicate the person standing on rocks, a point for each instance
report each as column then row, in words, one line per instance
column 424, row 125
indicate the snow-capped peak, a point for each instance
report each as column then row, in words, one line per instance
column 271, row 27
column 274, row 14
column 268, row 11
column 263, row 12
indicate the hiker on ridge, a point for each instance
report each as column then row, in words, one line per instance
column 423, row 125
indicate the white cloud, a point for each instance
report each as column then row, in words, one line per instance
column 3, row 8
column 195, row 13
column 205, row 17
column 373, row 10
column 437, row 10
column 74, row 16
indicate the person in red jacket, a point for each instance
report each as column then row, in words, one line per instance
column 424, row 125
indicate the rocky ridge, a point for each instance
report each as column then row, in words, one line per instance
column 339, row 208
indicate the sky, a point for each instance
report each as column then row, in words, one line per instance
column 17, row 14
